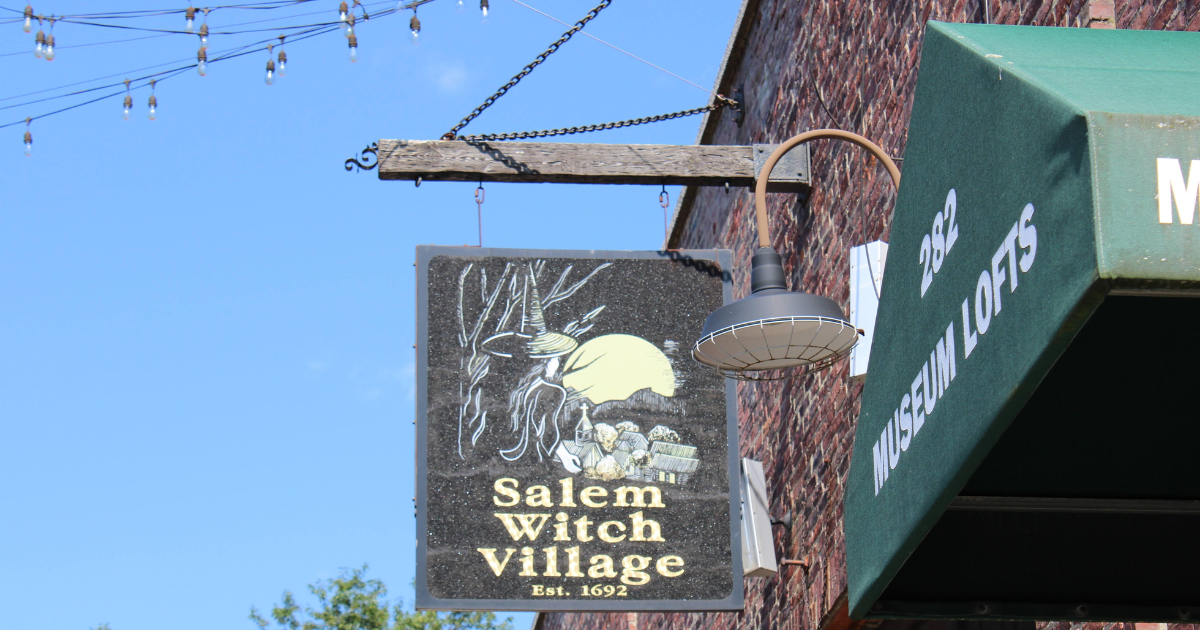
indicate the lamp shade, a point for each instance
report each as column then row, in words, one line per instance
column 773, row 328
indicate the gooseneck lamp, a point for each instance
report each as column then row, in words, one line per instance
column 775, row 333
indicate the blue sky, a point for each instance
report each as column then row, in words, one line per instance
column 206, row 366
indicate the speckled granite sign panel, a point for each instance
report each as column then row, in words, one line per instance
column 571, row 455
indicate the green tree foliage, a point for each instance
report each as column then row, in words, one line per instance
column 352, row 602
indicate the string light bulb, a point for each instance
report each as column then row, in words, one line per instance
column 28, row 26
column 353, row 48
column 190, row 14
column 350, row 26
column 40, row 40
column 483, row 6
column 270, row 66
column 49, row 51
column 128, row 101
column 414, row 25
column 282, row 59
column 202, row 62
column 204, row 35
column 459, row 7
column 153, row 102
column 343, row 11
column 28, row 140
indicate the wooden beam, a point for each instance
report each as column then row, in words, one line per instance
column 570, row 163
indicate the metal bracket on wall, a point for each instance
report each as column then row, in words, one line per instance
column 803, row 563
column 791, row 173
column 758, row 541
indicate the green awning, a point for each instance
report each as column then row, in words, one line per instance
column 1026, row 447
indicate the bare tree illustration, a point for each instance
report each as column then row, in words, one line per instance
column 474, row 365
column 514, row 318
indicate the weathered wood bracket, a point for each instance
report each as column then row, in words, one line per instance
column 576, row 163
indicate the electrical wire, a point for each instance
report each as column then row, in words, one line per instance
column 66, row 19
column 114, row 41
column 276, row 4
column 179, row 32
column 166, row 32
column 537, row 61
column 305, row 31
column 77, row 105
column 614, row 47
column 108, row 76
column 226, row 54
column 270, row 5
column 821, row 99
column 223, row 54
column 718, row 101
column 159, row 77
column 292, row 37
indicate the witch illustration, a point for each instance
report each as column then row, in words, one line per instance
column 535, row 405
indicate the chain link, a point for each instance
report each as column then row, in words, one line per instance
column 450, row 135
column 544, row 133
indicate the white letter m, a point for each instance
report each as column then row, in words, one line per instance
column 1170, row 185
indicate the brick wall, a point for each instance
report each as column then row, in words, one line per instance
column 860, row 58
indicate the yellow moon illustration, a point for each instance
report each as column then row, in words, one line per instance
column 613, row 367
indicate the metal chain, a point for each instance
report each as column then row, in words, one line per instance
column 450, row 135
column 721, row 102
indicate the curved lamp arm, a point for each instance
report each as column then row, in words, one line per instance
column 760, row 188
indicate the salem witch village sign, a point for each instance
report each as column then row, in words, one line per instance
column 571, row 455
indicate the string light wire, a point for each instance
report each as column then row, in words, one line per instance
column 126, row 73
column 167, row 32
column 300, row 32
column 224, row 54
column 159, row 77
column 108, row 76
column 116, row 41
column 313, row 30
column 278, row 4
column 273, row 4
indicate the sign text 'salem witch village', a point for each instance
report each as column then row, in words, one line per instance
column 574, row 455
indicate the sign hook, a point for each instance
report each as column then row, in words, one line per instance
column 664, row 200
column 479, row 195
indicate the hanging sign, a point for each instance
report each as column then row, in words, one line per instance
column 571, row 455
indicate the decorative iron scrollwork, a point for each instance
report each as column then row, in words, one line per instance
column 367, row 159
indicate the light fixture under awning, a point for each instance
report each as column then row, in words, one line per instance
column 1027, row 437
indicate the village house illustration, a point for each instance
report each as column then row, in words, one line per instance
column 608, row 452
